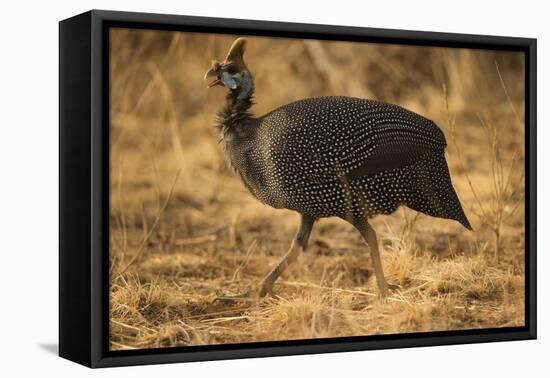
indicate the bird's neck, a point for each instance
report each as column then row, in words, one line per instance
column 237, row 105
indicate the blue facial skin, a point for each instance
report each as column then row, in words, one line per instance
column 229, row 80
column 237, row 80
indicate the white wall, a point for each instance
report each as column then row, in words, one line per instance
column 28, row 215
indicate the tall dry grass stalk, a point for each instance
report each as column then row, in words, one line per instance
column 148, row 234
column 505, row 178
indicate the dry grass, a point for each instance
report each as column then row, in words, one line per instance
column 183, row 228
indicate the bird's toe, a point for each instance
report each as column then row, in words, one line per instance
column 393, row 286
column 247, row 296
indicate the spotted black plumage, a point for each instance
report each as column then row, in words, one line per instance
column 334, row 156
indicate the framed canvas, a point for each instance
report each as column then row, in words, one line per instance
column 235, row 188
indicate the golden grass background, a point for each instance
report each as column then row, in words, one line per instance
column 184, row 229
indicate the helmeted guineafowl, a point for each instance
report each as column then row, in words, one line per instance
column 333, row 156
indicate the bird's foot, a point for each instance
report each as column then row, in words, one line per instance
column 247, row 296
column 383, row 290
column 267, row 288
column 392, row 286
column 251, row 295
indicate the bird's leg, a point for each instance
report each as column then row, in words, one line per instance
column 369, row 235
column 266, row 287
column 298, row 244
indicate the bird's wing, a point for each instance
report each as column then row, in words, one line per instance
column 379, row 137
column 395, row 143
column 336, row 138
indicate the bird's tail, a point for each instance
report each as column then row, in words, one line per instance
column 439, row 196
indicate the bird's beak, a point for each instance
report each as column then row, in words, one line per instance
column 213, row 73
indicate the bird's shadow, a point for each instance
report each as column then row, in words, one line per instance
column 52, row 348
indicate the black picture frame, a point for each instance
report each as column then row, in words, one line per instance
column 84, row 191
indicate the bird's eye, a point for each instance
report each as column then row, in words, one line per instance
column 230, row 68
